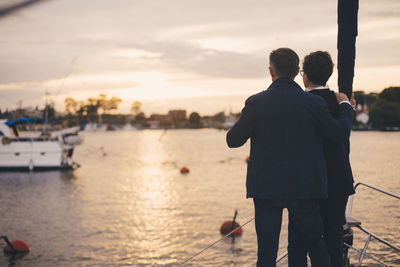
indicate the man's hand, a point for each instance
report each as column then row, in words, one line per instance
column 353, row 101
column 340, row 97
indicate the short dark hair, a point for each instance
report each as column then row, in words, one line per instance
column 285, row 62
column 318, row 66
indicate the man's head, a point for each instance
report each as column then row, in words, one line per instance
column 283, row 62
column 317, row 68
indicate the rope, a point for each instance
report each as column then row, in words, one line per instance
column 209, row 246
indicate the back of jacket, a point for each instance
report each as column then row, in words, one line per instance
column 286, row 127
column 340, row 177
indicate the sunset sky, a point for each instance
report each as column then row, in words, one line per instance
column 204, row 56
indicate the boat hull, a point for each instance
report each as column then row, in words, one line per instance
column 26, row 169
column 34, row 154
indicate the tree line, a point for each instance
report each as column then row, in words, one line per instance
column 383, row 107
column 97, row 110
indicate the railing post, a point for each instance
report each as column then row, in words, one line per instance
column 350, row 209
column 364, row 250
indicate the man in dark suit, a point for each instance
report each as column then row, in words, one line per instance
column 317, row 68
column 286, row 127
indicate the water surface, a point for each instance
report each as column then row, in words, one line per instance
column 128, row 204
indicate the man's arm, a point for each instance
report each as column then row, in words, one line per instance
column 336, row 130
column 241, row 131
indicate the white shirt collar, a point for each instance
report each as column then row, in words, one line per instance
column 308, row 89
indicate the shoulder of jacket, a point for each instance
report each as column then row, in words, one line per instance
column 315, row 100
column 332, row 94
column 254, row 98
column 326, row 95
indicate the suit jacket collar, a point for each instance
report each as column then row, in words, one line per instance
column 285, row 81
column 309, row 89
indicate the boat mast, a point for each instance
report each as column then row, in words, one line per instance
column 346, row 44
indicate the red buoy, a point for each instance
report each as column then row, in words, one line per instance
column 19, row 245
column 226, row 228
column 184, row 170
column 247, row 159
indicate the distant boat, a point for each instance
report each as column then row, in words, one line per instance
column 50, row 150
column 95, row 127
column 129, row 127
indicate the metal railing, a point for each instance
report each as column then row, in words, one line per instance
column 357, row 224
column 351, row 222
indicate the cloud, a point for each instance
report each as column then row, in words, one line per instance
column 379, row 10
column 195, row 47
column 186, row 57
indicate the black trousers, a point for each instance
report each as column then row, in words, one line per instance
column 305, row 218
column 333, row 217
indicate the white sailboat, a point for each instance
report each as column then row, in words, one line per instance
column 52, row 150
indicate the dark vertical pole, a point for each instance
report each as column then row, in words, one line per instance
column 346, row 44
column 13, row 250
column 14, row 7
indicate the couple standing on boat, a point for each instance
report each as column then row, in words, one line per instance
column 299, row 160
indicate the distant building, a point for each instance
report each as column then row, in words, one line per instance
column 157, row 121
column 158, row 117
column 177, row 114
column 177, row 117
column 362, row 114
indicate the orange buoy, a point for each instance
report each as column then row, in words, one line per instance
column 19, row 247
column 247, row 159
column 229, row 226
column 184, row 170
column 226, row 228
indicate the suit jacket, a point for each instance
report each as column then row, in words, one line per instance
column 340, row 176
column 286, row 127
